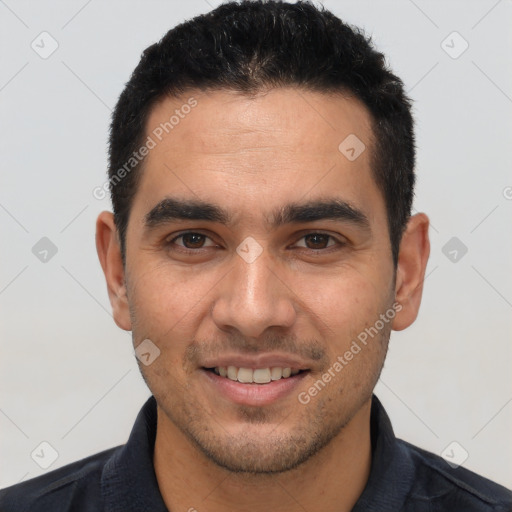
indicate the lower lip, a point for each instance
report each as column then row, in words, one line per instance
column 254, row 394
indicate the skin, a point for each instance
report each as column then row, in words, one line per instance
column 299, row 298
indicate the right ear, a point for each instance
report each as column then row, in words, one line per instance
column 109, row 253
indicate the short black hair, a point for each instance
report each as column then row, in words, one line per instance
column 254, row 45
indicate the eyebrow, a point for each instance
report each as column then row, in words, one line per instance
column 173, row 209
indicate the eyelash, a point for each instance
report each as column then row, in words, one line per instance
column 186, row 250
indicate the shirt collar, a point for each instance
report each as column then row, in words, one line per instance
column 129, row 481
column 392, row 472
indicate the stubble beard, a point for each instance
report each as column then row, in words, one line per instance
column 276, row 450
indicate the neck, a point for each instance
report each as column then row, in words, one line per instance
column 331, row 480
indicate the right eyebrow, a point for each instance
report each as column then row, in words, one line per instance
column 171, row 209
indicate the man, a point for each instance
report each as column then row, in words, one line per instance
column 261, row 250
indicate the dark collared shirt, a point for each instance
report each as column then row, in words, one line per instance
column 402, row 478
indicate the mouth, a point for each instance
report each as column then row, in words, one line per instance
column 255, row 387
column 255, row 375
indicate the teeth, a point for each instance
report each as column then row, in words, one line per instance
column 258, row 376
column 276, row 373
column 245, row 375
column 232, row 372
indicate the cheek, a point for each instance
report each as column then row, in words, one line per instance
column 344, row 302
column 355, row 343
column 164, row 299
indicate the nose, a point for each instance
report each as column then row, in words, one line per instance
column 254, row 297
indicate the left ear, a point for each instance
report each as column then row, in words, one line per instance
column 412, row 262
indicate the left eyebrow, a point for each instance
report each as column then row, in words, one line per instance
column 173, row 209
column 330, row 209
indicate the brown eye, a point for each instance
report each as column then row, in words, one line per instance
column 193, row 240
column 317, row 241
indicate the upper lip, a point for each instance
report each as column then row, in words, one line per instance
column 257, row 361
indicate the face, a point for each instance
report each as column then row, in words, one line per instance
column 256, row 250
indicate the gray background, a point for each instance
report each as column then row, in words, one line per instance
column 68, row 376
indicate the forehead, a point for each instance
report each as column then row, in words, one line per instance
column 229, row 121
column 256, row 151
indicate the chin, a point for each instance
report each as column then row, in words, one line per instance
column 264, row 449
column 260, row 458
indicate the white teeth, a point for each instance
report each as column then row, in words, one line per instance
column 276, row 373
column 245, row 375
column 232, row 372
column 258, row 376
column 261, row 376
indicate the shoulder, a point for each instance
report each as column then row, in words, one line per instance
column 69, row 484
column 453, row 488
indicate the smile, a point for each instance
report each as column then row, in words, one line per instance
column 256, row 375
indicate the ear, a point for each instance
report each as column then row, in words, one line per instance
column 412, row 262
column 109, row 253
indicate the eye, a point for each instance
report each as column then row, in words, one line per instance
column 316, row 241
column 191, row 241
